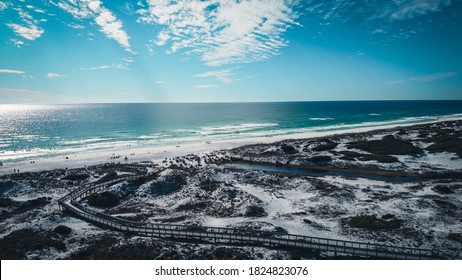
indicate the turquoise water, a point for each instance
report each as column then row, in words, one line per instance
column 34, row 131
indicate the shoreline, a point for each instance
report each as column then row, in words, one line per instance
column 398, row 186
column 156, row 154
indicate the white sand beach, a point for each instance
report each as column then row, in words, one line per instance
column 156, row 154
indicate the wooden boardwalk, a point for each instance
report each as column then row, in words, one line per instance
column 234, row 236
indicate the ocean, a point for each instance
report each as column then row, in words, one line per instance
column 39, row 131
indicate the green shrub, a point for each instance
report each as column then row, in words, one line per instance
column 15, row 245
column 5, row 202
column 63, row 230
column 287, row 149
column 371, row 222
column 325, row 147
column 455, row 236
column 320, row 159
column 388, row 216
column 255, row 211
column 446, row 143
column 443, row 189
column 76, row 177
column 389, row 145
column 199, row 206
column 168, row 184
column 104, row 199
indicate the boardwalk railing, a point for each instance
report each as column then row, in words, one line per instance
column 230, row 235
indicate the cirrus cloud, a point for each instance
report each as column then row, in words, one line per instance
column 28, row 25
column 426, row 78
column 405, row 10
column 395, row 10
column 434, row 77
column 54, row 75
column 3, row 6
column 9, row 71
column 205, row 86
column 31, row 32
column 381, row 17
column 222, row 32
column 224, row 76
column 17, row 43
column 109, row 25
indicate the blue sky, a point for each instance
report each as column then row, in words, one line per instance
column 91, row 51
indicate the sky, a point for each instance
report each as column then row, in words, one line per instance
column 101, row 51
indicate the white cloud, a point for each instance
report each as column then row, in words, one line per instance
column 162, row 38
column 124, row 65
column 17, row 43
column 30, row 33
column 392, row 83
column 224, row 76
column 414, row 8
column 55, row 75
column 434, row 77
column 127, row 60
column 378, row 31
column 222, row 31
column 427, row 78
column 127, row 8
column 30, row 7
column 95, row 6
column 160, row 82
column 9, row 71
column 3, row 6
column 205, row 86
column 343, row 10
column 77, row 10
column 109, row 25
column 24, row 93
column 112, row 27
column 75, row 26
column 99, row 67
column 381, row 17
column 28, row 27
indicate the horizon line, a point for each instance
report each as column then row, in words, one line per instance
column 231, row 102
